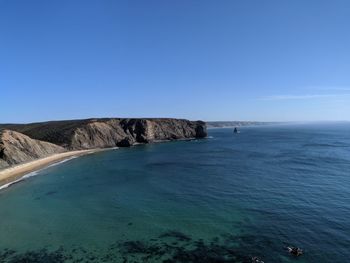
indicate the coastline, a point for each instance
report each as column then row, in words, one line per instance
column 15, row 173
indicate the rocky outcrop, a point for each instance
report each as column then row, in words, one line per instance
column 16, row 148
column 26, row 142
column 100, row 133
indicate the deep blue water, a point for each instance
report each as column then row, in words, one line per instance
column 222, row 199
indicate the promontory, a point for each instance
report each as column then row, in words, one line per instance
column 21, row 143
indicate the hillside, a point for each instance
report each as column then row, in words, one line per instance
column 16, row 148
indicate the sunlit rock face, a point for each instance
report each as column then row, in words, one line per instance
column 16, row 148
column 25, row 142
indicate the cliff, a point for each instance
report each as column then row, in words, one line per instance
column 35, row 140
column 93, row 133
column 224, row 124
column 16, row 148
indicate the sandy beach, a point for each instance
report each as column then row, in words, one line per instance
column 14, row 173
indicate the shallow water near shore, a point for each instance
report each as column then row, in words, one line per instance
column 223, row 199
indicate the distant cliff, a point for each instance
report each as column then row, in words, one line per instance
column 223, row 124
column 25, row 142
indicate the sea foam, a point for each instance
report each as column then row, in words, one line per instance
column 34, row 173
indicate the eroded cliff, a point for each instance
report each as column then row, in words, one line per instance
column 25, row 142
column 16, row 148
column 93, row 133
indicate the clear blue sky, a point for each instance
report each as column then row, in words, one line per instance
column 210, row 60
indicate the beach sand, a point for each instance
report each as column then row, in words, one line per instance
column 15, row 173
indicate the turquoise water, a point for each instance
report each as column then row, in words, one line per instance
column 222, row 199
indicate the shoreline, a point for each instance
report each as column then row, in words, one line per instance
column 14, row 174
column 17, row 173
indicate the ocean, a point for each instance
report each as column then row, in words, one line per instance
column 227, row 198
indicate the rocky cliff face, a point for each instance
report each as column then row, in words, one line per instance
column 31, row 141
column 16, row 148
column 126, row 132
column 99, row 133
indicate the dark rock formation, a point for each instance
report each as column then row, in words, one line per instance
column 46, row 138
